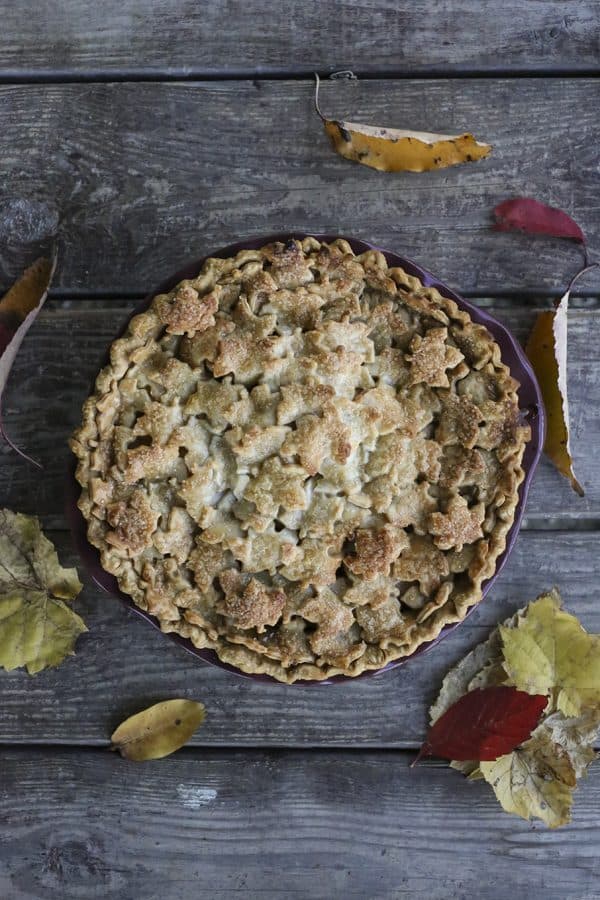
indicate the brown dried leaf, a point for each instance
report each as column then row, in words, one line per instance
column 547, row 351
column 18, row 309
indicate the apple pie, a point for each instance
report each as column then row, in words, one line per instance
column 303, row 459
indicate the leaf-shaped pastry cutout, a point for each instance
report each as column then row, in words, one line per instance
column 484, row 724
column 547, row 351
column 398, row 150
column 158, row 730
column 534, row 217
column 37, row 628
column 18, row 309
column 549, row 652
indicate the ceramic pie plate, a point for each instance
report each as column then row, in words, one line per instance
column 530, row 404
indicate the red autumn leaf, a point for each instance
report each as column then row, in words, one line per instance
column 18, row 309
column 527, row 214
column 484, row 724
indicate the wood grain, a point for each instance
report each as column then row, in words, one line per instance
column 62, row 353
column 141, row 178
column 215, row 825
column 123, row 665
column 183, row 36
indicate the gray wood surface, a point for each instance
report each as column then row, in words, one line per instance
column 184, row 36
column 146, row 177
column 144, row 135
column 123, row 664
column 62, row 353
column 316, row 826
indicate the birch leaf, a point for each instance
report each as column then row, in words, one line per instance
column 527, row 786
column 18, row 309
column 37, row 627
column 158, row 730
column 550, row 653
column 398, row 150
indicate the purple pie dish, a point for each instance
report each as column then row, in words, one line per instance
column 530, row 404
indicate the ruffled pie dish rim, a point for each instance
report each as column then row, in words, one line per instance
column 530, row 405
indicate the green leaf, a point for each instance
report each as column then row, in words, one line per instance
column 37, row 627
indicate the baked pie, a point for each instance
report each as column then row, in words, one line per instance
column 303, row 459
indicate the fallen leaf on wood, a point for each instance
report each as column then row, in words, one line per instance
column 547, row 343
column 575, row 736
column 484, row 724
column 534, row 217
column 159, row 730
column 37, row 627
column 18, row 309
column 547, row 351
column 538, row 779
column 469, row 768
column 550, row 653
column 395, row 150
column 458, row 680
column 525, row 785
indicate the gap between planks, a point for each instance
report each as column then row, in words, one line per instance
column 191, row 74
column 407, row 749
column 500, row 299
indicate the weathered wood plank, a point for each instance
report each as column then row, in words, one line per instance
column 123, row 664
column 216, row 825
column 184, row 36
column 63, row 350
column 145, row 177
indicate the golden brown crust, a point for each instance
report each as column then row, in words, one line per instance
column 303, row 459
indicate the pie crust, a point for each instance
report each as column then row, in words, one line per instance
column 303, row 459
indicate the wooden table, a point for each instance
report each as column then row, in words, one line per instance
column 147, row 134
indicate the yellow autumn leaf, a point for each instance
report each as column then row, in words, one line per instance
column 398, row 150
column 158, row 730
column 547, row 351
column 37, row 628
column 469, row 768
column 526, row 786
column 542, row 649
column 549, row 652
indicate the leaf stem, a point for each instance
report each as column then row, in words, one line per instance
column 586, row 268
column 317, row 85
